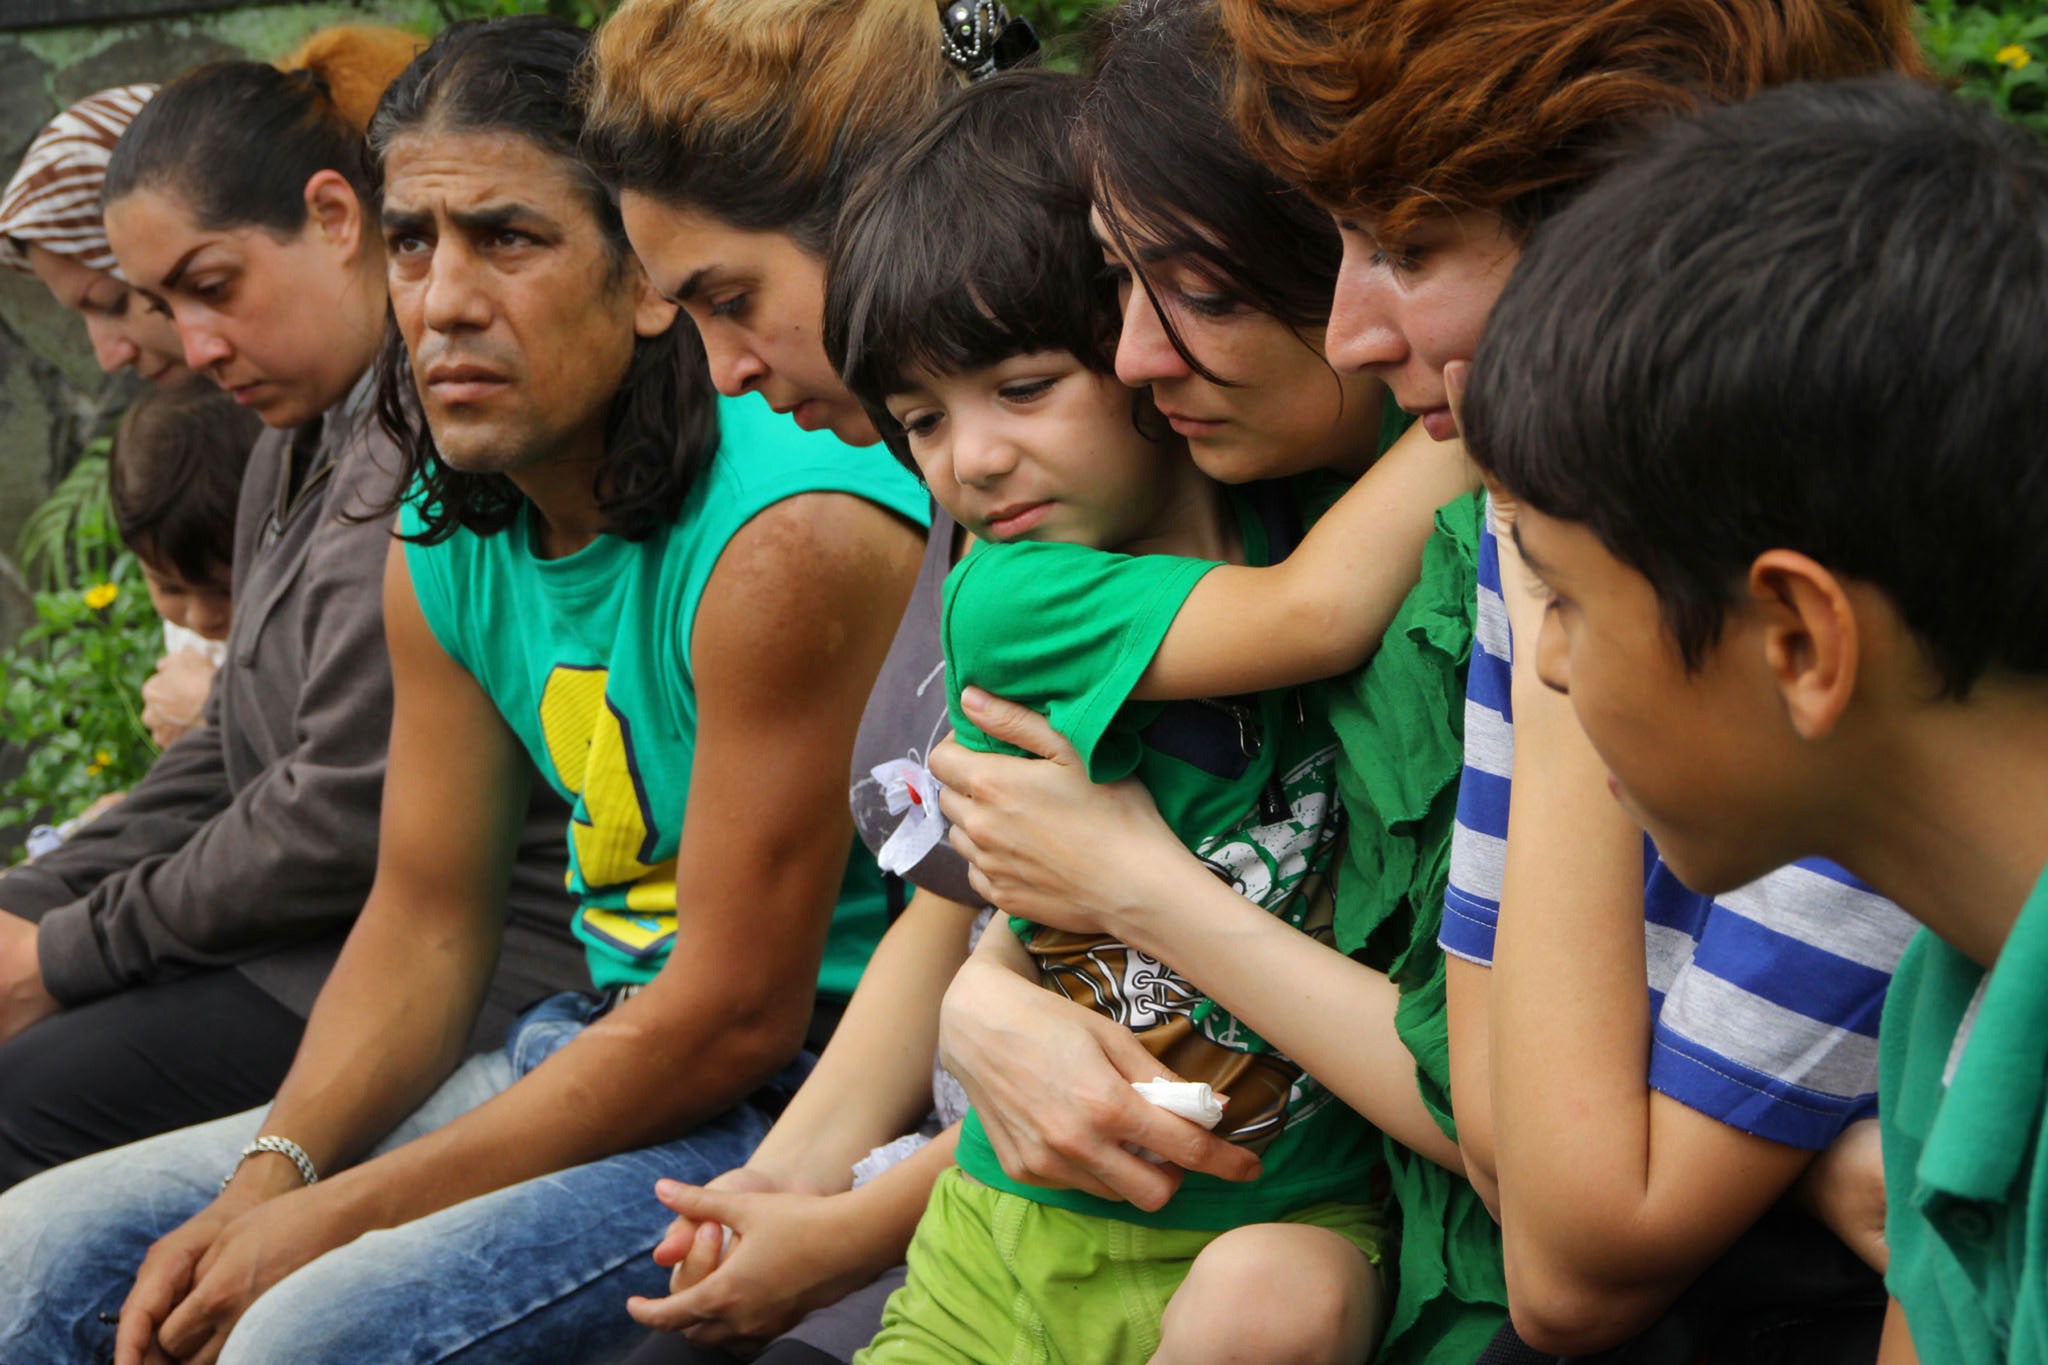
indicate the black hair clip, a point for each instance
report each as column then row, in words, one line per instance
column 980, row 38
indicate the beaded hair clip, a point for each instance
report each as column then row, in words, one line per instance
column 980, row 38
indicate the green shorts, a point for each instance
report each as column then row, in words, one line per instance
column 998, row 1279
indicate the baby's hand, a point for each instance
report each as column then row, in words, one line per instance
column 174, row 698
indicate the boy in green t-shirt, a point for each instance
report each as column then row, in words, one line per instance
column 1770, row 402
column 968, row 309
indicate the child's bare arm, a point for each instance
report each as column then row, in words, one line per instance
column 1612, row 1197
column 1468, row 991
column 873, row 1081
column 1322, row 610
column 1896, row 1346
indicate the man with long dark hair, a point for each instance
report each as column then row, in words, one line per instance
column 661, row 600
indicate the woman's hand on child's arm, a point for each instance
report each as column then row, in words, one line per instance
column 1844, row 1188
column 1041, row 840
column 174, row 698
column 1322, row 610
column 791, row 1252
column 1051, row 1084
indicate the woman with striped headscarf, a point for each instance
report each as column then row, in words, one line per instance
column 50, row 228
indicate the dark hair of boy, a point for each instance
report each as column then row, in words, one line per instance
column 968, row 246
column 515, row 76
column 1813, row 321
column 1166, row 165
column 174, row 476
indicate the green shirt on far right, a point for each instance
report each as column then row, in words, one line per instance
column 1962, row 1084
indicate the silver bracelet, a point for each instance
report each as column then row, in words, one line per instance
column 284, row 1147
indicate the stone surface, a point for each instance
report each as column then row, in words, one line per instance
column 26, row 422
column 155, row 54
column 31, row 318
column 25, row 102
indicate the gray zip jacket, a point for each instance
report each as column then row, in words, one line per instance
column 253, row 840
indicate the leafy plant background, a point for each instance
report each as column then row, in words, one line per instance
column 69, row 687
column 1997, row 51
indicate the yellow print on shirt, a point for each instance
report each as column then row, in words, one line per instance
column 612, row 834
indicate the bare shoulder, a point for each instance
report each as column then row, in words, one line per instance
column 810, row 564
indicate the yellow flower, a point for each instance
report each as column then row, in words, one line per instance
column 101, row 594
column 102, row 759
column 2014, row 56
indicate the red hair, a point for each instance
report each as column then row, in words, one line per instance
column 1396, row 109
column 358, row 61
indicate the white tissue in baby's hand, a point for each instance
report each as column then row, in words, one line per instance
column 1191, row 1100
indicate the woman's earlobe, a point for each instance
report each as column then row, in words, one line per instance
column 332, row 204
column 1812, row 639
column 653, row 314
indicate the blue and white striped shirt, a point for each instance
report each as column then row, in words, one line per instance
column 1764, row 1001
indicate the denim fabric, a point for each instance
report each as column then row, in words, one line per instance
column 539, row 1271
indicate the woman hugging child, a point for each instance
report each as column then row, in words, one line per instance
column 983, row 349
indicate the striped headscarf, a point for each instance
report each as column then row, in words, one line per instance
column 54, row 199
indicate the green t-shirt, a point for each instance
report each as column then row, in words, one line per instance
column 588, row 659
column 1246, row 784
column 1962, row 1090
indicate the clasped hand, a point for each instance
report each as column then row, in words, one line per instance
column 749, row 1259
column 197, row 1282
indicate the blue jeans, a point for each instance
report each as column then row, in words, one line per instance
column 539, row 1271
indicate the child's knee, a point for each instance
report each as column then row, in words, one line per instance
column 1274, row 1293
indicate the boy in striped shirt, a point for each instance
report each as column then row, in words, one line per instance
column 1768, row 400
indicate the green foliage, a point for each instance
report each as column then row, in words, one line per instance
column 1997, row 51
column 70, row 686
column 1057, row 18
column 70, row 539
column 584, row 12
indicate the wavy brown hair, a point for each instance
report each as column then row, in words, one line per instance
column 1396, row 109
column 759, row 112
